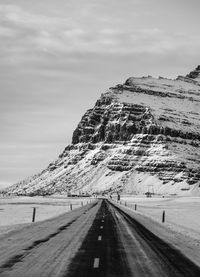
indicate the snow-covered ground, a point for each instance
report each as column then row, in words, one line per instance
column 181, row 214
column 186, row 240
column 19, row 210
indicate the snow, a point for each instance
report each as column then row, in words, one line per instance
column 182, row 214
column 52, row 257
column 178, row 234
column 164, row 84
column 19, row 210
column 169, row 103
column 177, row 110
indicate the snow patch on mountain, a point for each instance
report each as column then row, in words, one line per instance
column 142, row 134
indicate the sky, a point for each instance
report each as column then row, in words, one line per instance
column 58, row 56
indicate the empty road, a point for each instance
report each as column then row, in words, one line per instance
column 99, row 239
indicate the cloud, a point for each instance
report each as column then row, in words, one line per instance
column 31, row 37
column 6, row 32
column 18, row 16
column 56, row 55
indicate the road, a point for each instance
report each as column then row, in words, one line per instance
column 100, row 239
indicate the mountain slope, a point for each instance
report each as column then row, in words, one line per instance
column 141, row 136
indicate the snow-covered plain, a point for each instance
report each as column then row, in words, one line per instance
column 181, row 213
column 17, row 211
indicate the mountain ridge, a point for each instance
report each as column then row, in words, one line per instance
column 140, row 134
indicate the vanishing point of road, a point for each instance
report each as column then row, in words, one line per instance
column 99, row 239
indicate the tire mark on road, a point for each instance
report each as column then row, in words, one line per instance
column 169, row 255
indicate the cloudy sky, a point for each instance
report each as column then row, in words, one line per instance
column 58, row 56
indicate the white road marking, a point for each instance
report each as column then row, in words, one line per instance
column 101, row 227
column 99, row 237
column 102, row 221
column 96, row 263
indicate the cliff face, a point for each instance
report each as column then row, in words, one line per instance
column 143, row 135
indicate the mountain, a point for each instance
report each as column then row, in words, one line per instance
column 143, row 135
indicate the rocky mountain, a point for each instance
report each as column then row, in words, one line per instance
column 143, row 135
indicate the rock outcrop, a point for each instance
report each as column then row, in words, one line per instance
column 143, row 135
column 195, row 74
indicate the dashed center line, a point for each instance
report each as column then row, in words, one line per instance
column 101, row 227
column 102, row 220
column 96, row 263
column 99, row 237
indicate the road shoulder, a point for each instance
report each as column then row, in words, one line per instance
column 189, row 246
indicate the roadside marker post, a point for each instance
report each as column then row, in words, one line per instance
column 96, row 263
column 125, row 203
column 34, row 212
column 71, row 207
column 82, row 204
column 135, row 207
column 163, row 217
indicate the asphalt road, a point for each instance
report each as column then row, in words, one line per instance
column 46, row 248
column 118, row 245
column 99, row 239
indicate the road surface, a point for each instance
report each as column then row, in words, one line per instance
column 99, row 239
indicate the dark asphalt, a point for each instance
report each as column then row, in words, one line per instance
column 118, row 245
column 109, row 250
